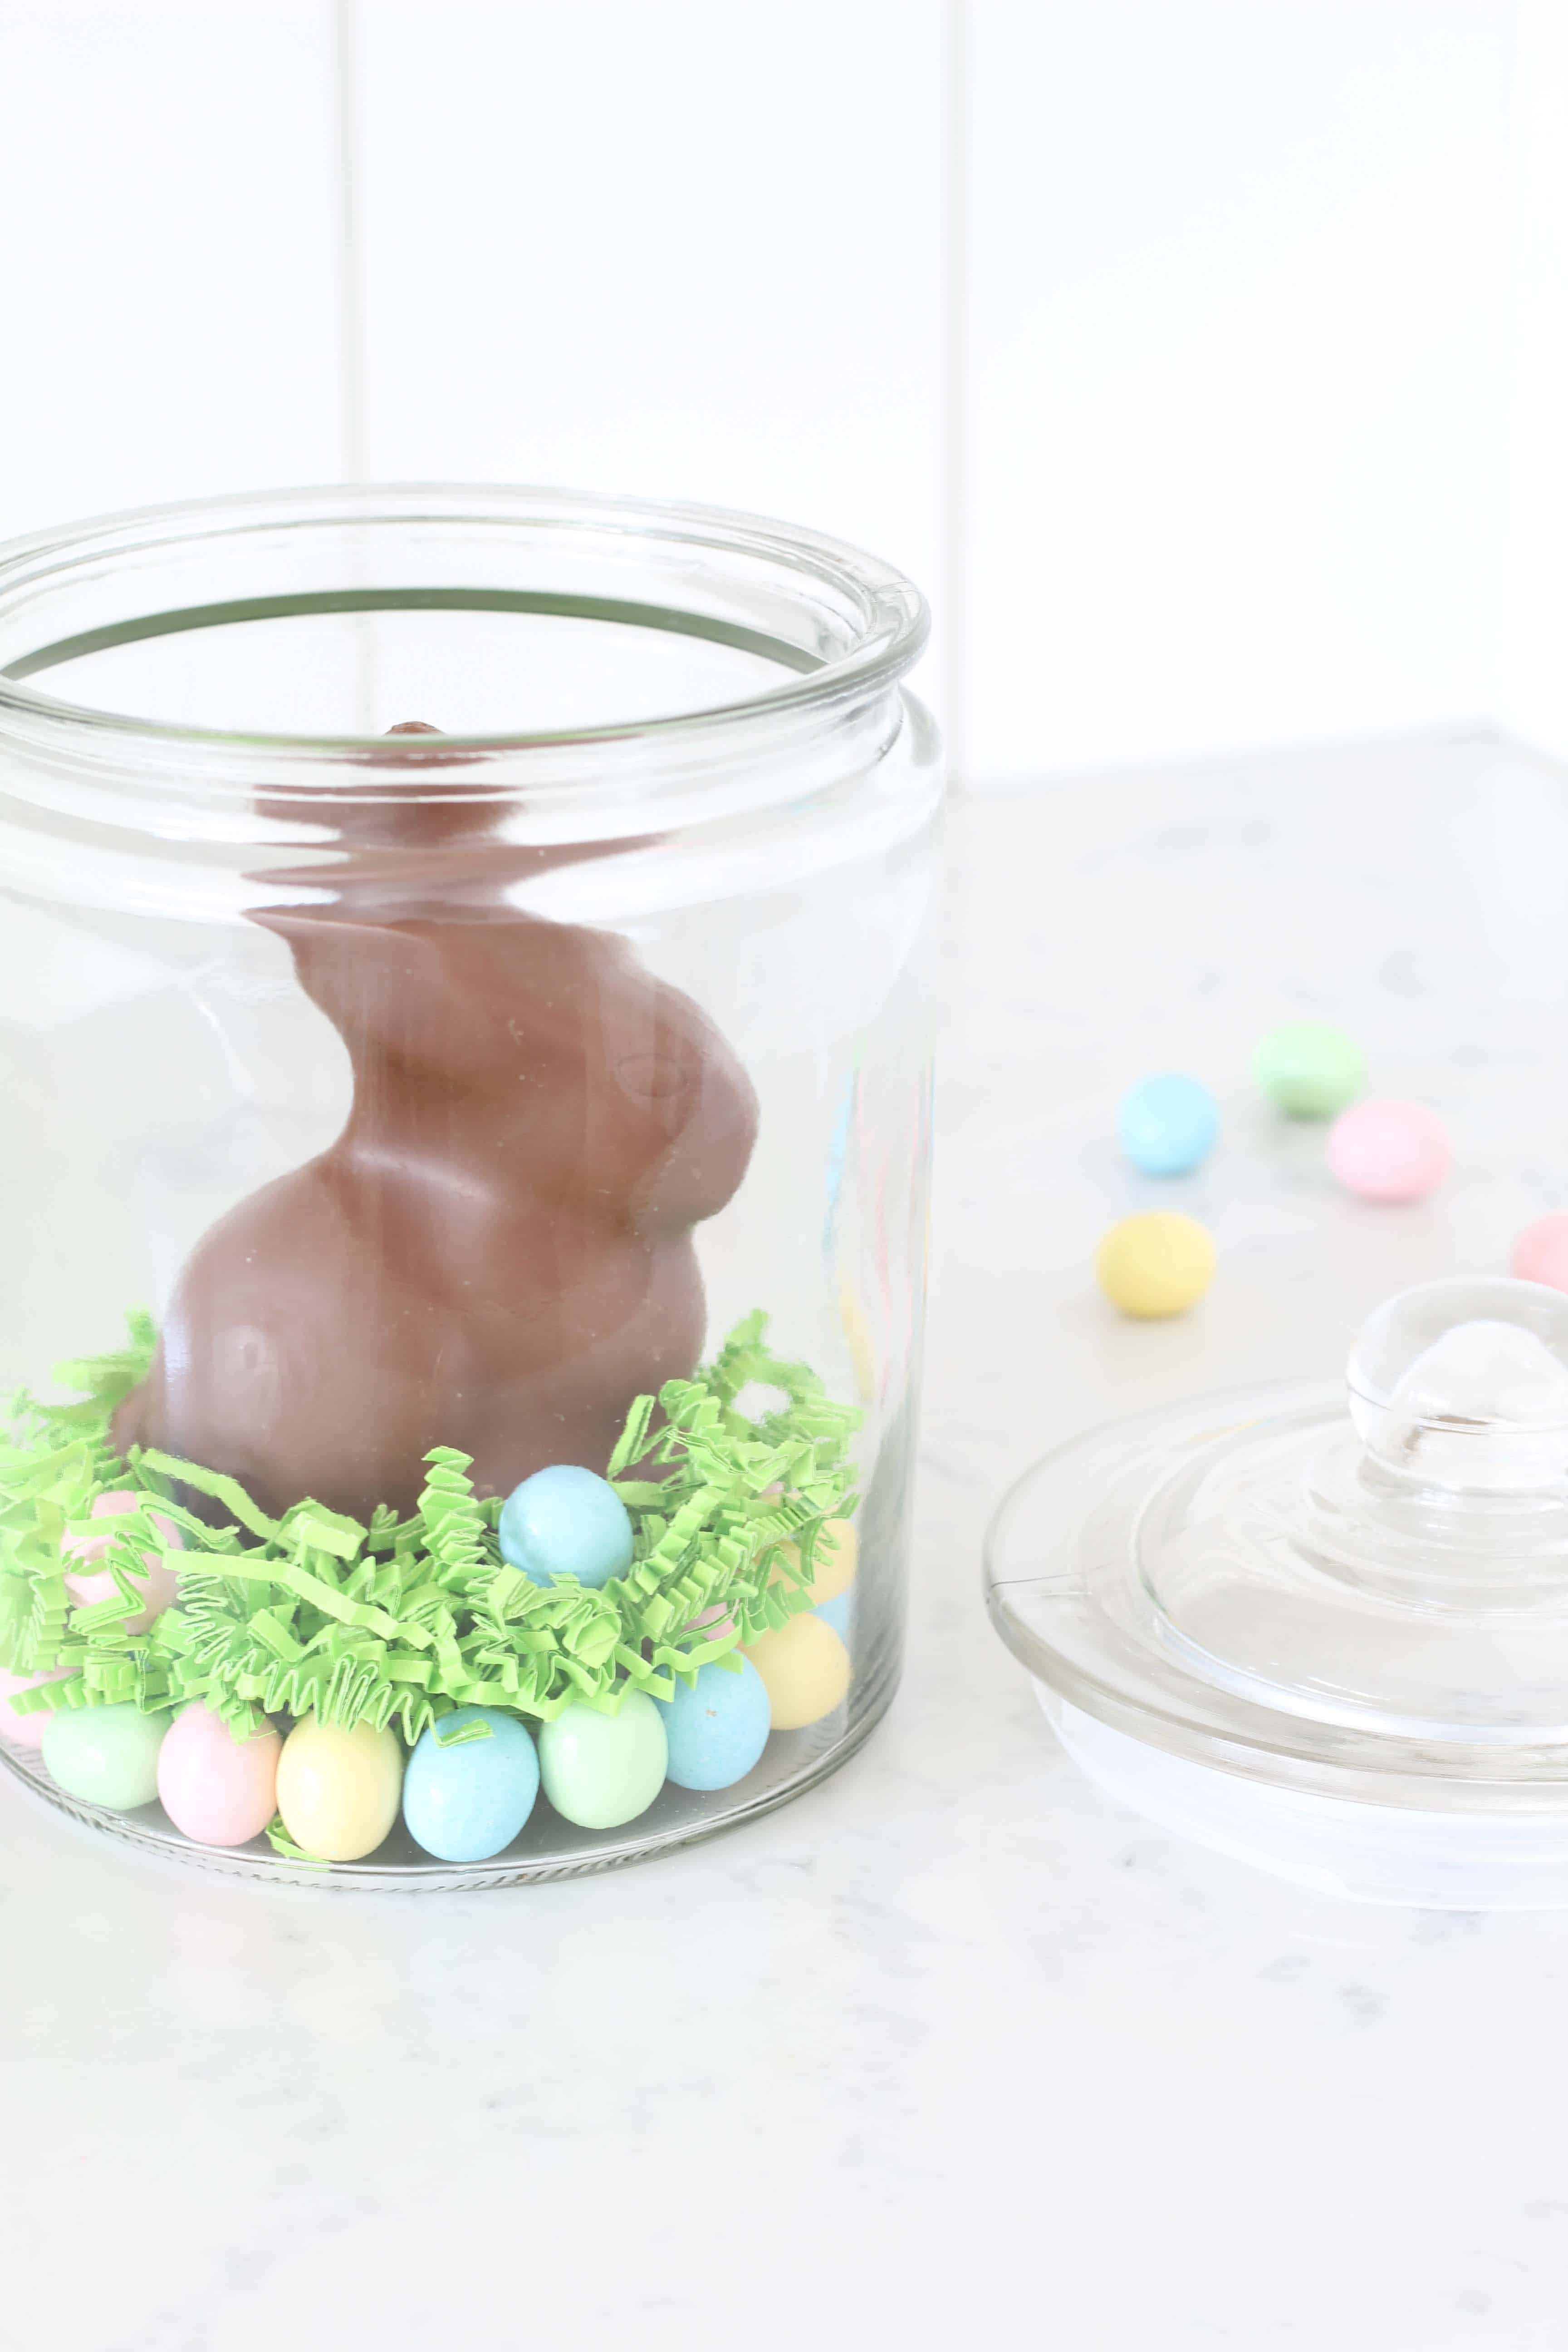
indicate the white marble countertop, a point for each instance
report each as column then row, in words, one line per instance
column 951, row 2047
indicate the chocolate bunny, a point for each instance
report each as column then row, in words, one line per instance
column 495, row 1253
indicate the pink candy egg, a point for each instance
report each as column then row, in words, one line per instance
column 1540, row 1253
column 1389, row 1150
column 713, row 1623
column 161, row 1587
column 220, row 1790
column 26, row 1731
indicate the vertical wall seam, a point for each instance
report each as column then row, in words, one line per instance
column 350, row 179
column 954, row 557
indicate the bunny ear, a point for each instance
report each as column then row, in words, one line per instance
column 412, row 856
column 415, row 839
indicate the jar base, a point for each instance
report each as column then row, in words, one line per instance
column 677, row 1818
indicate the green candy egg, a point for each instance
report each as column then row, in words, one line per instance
column 600, row 1771
column 106, row 1755
column 1309, row 1068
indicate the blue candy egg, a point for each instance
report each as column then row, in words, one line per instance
column 717, row 1729
column 566, row 1522
column 1167, row 1124
column 470, row 1784
column 837, row 1612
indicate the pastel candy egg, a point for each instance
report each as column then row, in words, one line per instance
column 834, row 1561
column 337, row 1788
column 1155, row 1264
column 805, row 1667
column 106, row 1755
column 470, row 1784
column 838, row 1612
column 1540, row 1253
column 161, row 1587
column 219, row 1790
column 1167, row 1124
column 712, row 1622
column 600, row 1771
column 717, row 1729
column 566, row 1522
column 1309, row 1068
column 25, row 1730
column 1389, row 1150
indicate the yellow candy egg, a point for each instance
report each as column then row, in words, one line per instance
column 339, row 1791
column 834, row 1562
column 1158, row 1264
column 806, row 1668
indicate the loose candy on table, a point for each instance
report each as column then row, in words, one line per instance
column 1167, row 1124
column 106, row 1755
column 565, row 1521
column 717, row 1729
column 1540, row 1253
column 470, row 1784
column 219, row 1790
column 1157, row 1263
column 1309, row 1068
column 85, row 1587
column 805, row 1667
column 338, row 1789
column 25, row 1730
column 599, row 1771
column 1392, row 1152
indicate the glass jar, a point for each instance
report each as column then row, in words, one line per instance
column 466, row 1187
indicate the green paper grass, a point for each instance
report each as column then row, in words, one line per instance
column 403, row 1620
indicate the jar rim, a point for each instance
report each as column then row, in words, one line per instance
column 888, row 621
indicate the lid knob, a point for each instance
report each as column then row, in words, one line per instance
column 1462, row 1386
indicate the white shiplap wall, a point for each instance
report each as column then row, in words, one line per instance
column 1532, row 615
column 169, row 299
column 679, row 250
column 1250, row 379
column 1239, row 352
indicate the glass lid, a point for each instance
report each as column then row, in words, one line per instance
column 1356, row 1590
